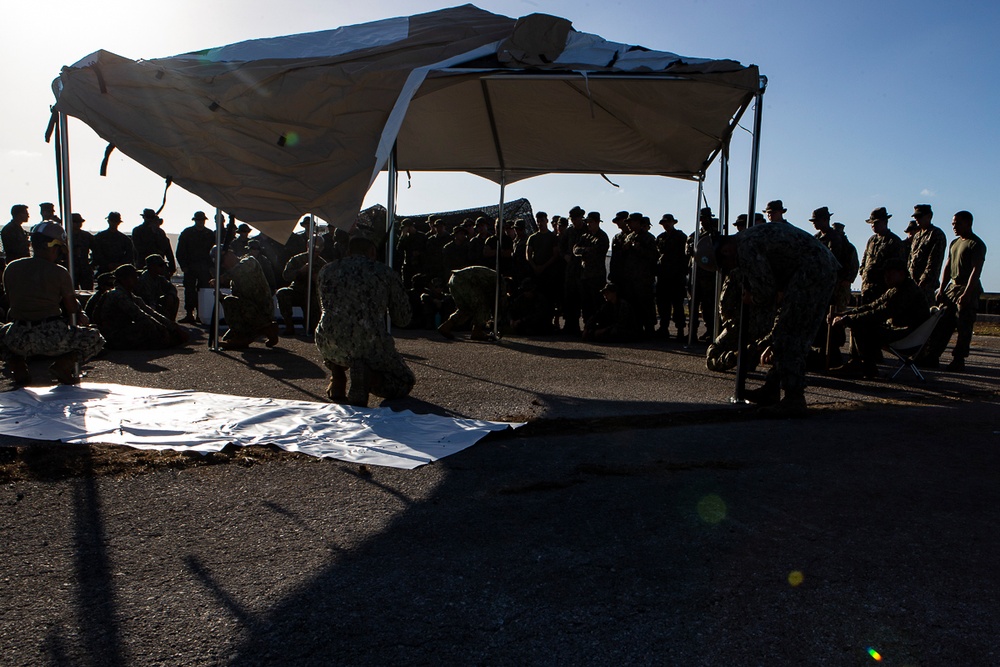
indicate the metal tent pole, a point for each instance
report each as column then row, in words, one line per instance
column 692, row 306
column 499, row 232
column 65, row 203
column 390, row 218
column 741, row 362
column 311, row 247
column 724, row 228
column 218, row 286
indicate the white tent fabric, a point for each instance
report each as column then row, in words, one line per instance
column 145, row 418
column 270, row 129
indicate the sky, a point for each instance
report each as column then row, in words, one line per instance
column 868, row 104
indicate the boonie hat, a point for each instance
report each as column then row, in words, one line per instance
column 821, row 214
column 878, row 214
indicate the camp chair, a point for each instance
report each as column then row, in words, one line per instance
column 907, row 349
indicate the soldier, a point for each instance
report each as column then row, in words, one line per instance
column 193, row 247
column 703, row 295
column 961, row 287
column 900, row 309
column 409, row 251
column 150, row 239
column 621, row 221
column 155, row 288
column 572, row 270
column 111, row 248
column 927, row 251
column 882, row 246
column 40, row 291
column 48, row 212
column 671, row 273
column 474, row 292
column 542, row 252
column 239, row 243
column 787, row 269
column 637, row 274
column 356, row 293
column 83, row 243
column 836, row 244
column 775, row 211
column 250, row 308
column 591, row 249
column 456, row 253
column 128, row 323
column 614, row 321
column 296, row 272
column 14, row 238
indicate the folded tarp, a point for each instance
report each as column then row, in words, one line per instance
column 159, row 419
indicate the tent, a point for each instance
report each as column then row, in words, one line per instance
column 270, row 129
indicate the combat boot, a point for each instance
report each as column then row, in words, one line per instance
column 791, row 406
column 767, row 394
column 359, row 391
column 446, row 329
column 478, row 333
column 336, row 391
column 64, row 368
column 18, row 367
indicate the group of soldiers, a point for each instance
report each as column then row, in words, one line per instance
column 571, row 278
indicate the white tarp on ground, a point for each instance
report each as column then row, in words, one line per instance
column 147, row 418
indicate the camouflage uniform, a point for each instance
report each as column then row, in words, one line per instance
column 893, row 315
column 152, row 240
column 295, row 293
column 927, row 250
column 721, row 354
column 637, row 277
column 127, row 323
column 592, row 250
column 50, row 336
column 110, row 250
column 194, row 247
column 83, row 243
column 250, row 307
column 671, row 275
column 837, row 244
column 15, row 241
column 356, row 293
column 474, row 292
column 158, row 293
column 877, row 251
column 783, row 259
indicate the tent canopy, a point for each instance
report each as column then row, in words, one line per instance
column 270, row 129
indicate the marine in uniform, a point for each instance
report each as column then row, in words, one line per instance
column 882, row 246
column 356, row 293
column 194, row 245
column 249, row 309
column 927, row 251
column 41, row 299
column 129, row 323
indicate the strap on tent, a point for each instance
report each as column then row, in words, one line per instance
column 107, row 156
column 604, row 176
column 170, row 180
column 53, row 122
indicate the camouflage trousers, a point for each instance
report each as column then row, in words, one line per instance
column 800, row 314
column 379, row 355
column 142, row 335
column 50, row 338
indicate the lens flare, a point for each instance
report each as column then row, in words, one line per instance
column 876, row 656
column 795, row 578
column 291, row 138
column 712, row 509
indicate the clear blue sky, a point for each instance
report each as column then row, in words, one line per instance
column 869, row 104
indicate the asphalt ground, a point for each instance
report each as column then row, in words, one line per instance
column 638, row 518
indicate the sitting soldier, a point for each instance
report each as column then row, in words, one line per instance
column 129, row 324
column 614, row 322
column 892, row 316
column 41, row 299
column 296, row 271
column 249, row 310
column 154, row 287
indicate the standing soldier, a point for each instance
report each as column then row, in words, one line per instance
column 111, row 248
column 542, row 253
column 961, row 287
column 671, row 272
column 83, row 243
column 14, row 238
column 592, row 250
column 150, row 239
column 927, row 250
column 637, row 273
column 882, row 246
column 352, row 337
column 194, row 247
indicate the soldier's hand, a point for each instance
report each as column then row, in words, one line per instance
column 767, row 356
column 81, row 319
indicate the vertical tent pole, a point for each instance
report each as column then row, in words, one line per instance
column 311, row 247
column 724, row 229
column 218, row 287
column 65, row 204
column 499, row 233
column 692, row 306
column 390, row 218
column 741, row 362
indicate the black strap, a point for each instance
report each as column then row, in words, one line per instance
column 170, row 180
column 107, row 156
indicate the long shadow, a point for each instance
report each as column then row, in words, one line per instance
column 628, row 551
column 99, row 625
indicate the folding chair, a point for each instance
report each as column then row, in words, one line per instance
column 908, row 348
